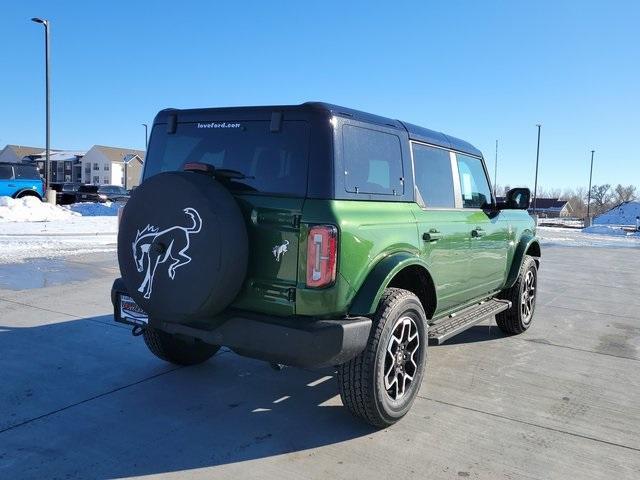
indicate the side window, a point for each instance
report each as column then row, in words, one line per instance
column 434, row 178
column 25, row 171
column 473, row 182
column 6, row 173
column 372, row 161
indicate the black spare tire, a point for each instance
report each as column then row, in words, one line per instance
column 182, row 246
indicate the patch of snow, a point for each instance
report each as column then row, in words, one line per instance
column 90, row 209
column 576, row 238
column 23, row 240
column 31, row 209
column 624, row 214
column 616, row 230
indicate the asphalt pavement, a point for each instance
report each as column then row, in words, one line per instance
column 81, row 398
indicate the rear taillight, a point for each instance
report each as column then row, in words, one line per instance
column 322, row 255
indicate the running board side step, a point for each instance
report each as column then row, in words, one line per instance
column 458, row 322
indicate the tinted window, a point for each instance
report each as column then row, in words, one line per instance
column 88, row 189
column 274, row 162
column 434, row 179
column 6, row 172
column 473, row 182
column 372, row 161
column 27, row 172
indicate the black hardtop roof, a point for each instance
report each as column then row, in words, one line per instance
column 415, row 132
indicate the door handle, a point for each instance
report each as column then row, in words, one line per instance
column 477, row 232
column 432, row 235
column 11, row 185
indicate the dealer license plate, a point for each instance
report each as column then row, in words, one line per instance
column 130, row 309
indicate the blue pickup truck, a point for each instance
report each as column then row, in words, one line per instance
column 19, row 180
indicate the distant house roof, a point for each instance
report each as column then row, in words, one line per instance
column 22, row 151
column 549, row 204
column 116, row 154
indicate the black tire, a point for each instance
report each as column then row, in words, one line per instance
column 361, row 381
column 28, row 193
column 174, row 350
column 514, row 320
column 182, row 247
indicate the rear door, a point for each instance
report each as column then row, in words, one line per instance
column 441, row 225
column 270, row 165
column 7, row 185
column 27, row 177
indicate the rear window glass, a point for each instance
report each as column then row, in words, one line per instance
column 434, row 178
column 273, row 162
column 372, row 161
column 27, row 172
column 6, row 172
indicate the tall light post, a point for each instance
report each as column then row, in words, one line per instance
column 589, row 192
column 47, row 172
column 495, row 172
column 146, row 136
column 535, row 183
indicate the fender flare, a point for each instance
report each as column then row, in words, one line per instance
column 526, row 243
column 366, row 300
column 32, row 192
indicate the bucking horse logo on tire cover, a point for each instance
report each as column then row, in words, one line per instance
column 159, row 247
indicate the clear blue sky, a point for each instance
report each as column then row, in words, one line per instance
column 476, row 70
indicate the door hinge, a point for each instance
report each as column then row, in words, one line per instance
column 291, row 295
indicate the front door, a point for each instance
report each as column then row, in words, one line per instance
column 488, row 230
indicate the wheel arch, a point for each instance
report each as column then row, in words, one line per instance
column 24, row 192
column 401, row 270
column 528, row 245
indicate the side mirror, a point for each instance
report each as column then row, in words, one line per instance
column 518, row 199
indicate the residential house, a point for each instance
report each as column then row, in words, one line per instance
column 552, row 208
column 112, row 166
column 549, row 207
column 16, row 153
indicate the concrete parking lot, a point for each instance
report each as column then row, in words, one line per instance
column 80, row 397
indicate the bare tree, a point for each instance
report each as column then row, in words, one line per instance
column 624, row 194
column 602, row 197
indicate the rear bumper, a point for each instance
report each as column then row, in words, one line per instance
column 299, row 341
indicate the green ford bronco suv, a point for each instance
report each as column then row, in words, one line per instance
column 319, row 236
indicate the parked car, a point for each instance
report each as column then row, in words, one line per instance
column 114, row 193
column 320, row 236
column 65, row 192
column 89, row 193
column 20, row 180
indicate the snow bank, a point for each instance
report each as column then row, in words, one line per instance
column 23, row 240
column 624, row 214
column 566, row 237
column 609, row 230
column 31, row 209
column 88, row 209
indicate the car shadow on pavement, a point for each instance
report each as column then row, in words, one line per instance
column 477, row 333
column 87, row 399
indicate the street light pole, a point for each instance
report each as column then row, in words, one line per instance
column 47, row 168
column 146, row 136
column 495, row 172
column 589, row 192
column 535, row 183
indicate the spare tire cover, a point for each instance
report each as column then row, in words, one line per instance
column 182, row 246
